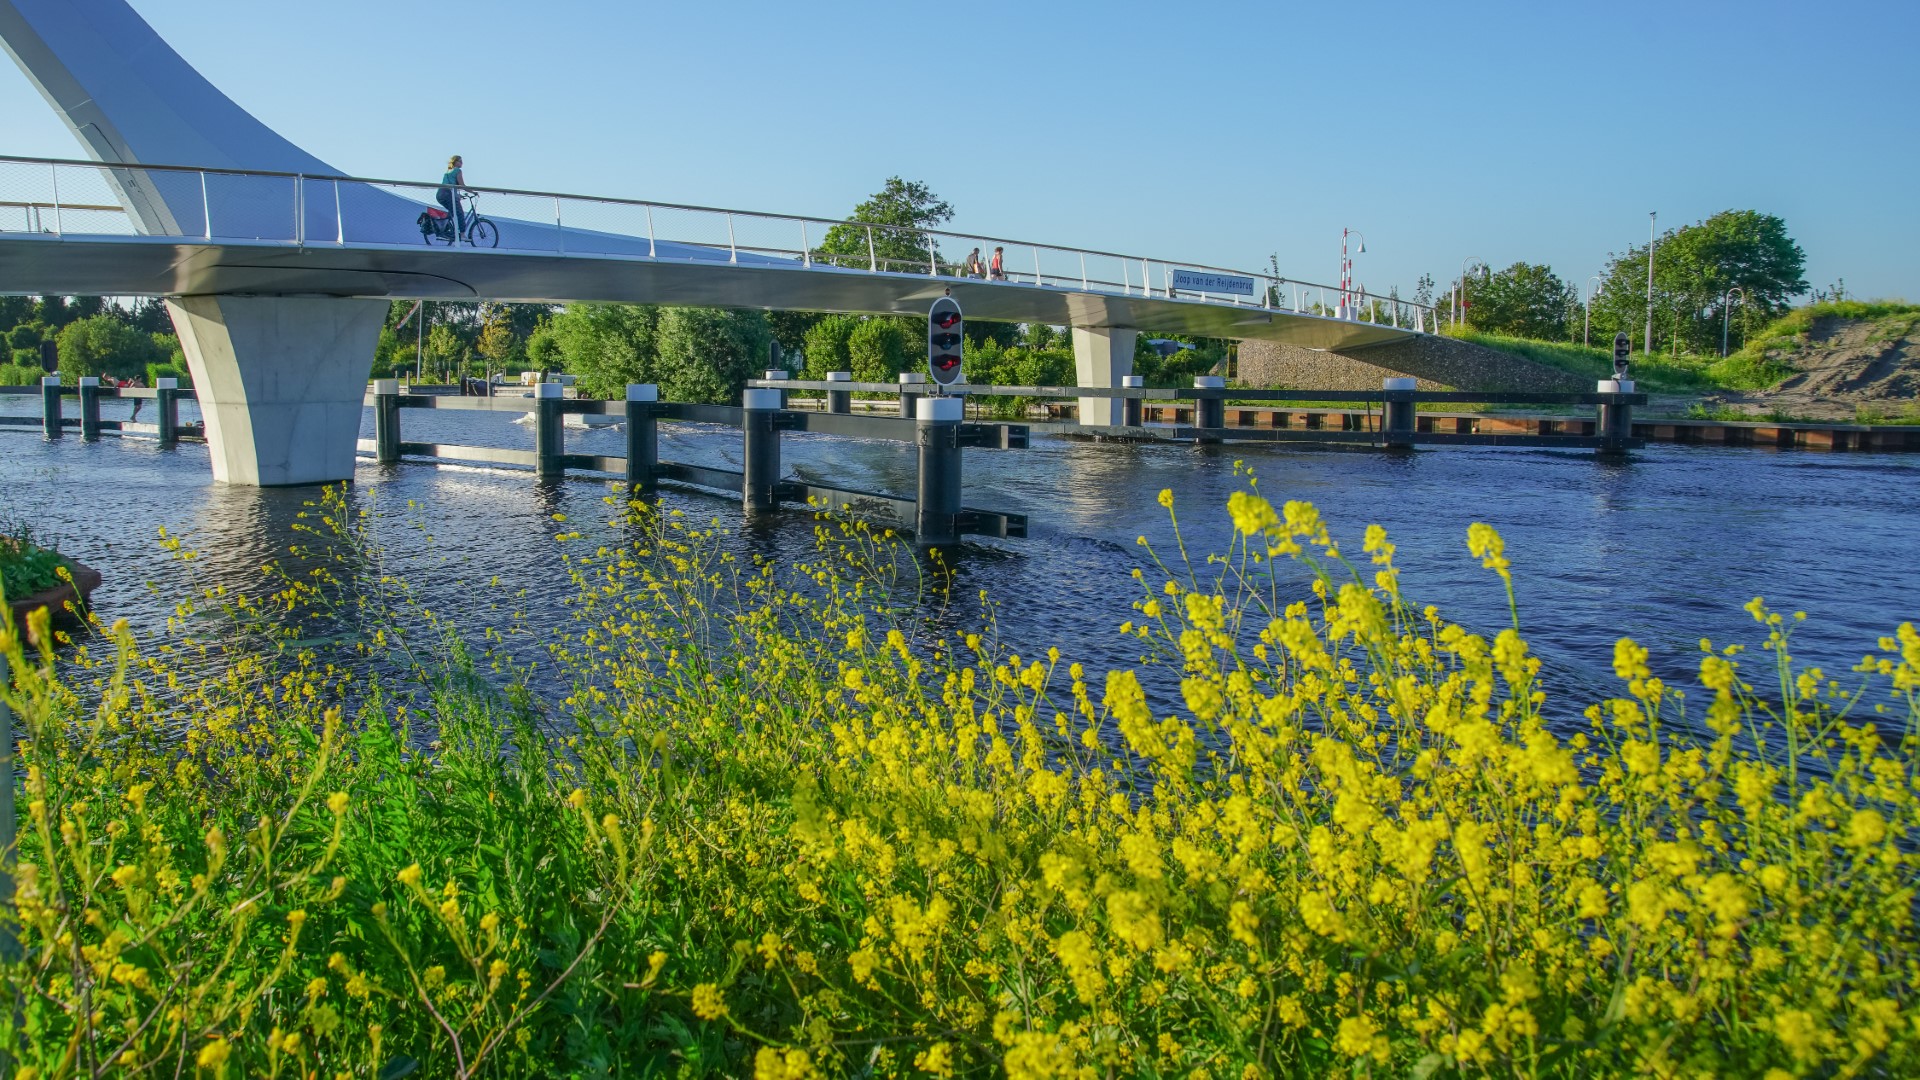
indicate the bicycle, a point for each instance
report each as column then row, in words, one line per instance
column 437, row 224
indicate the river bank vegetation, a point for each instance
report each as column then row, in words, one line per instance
column 743, row 818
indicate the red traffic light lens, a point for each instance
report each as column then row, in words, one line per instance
column 947, row 361
column 945, row 320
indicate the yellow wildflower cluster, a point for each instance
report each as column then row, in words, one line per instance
column 779, row 823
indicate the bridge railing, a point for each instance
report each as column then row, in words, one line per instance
column 59, row 197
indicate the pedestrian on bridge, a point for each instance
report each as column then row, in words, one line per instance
column 975, row 268
column 998, row 270
column 450, row 185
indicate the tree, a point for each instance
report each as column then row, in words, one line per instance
column 608, row 346
column 1526, row 300
column 882, row 347
column 825, row 345
column 708, row 354
column 104, row 345
column 1693, row 268
column 907, row 208
column 498, row 343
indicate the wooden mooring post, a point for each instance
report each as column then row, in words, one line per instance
column 1209, row 411
column 839, row 401
column 643, row 438
column 760, row 451
column 937, row 496
column 166, row 403
column 386, row 421
column 1615, row 426
column 50, row 406
column 1397, row 412
column 90, row 408
column 1130, row 408
column 549, row 432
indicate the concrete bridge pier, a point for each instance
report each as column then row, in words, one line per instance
column 282, row 381
column 1102, row 356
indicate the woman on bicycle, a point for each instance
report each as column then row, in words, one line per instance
column 450, row 184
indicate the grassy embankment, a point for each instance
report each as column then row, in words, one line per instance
column 1762, row 362
column 782, row 824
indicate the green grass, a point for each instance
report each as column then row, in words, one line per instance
column 26, row 567
column 1763, row 360
column 1661, row 374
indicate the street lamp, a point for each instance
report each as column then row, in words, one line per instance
column 1346, row 270
column 1653, row 218
column 1586, row 335
column 1726, row 310
column 1460, row 294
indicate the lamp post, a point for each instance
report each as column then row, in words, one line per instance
column 1653, row 218
column 1460, row 295
column 1586, row 334
column 1726, row 311
column 1346, row 270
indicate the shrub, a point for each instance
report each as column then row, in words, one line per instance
column 826, row 345
column 156, row 372
column 21, row 374
column 104, row 345
column 778, row 820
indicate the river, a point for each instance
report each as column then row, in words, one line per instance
column 1665, row 547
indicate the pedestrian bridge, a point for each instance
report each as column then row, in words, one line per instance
column 276, row 267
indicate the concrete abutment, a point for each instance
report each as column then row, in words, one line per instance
column 1102, row 356
column 281, row 380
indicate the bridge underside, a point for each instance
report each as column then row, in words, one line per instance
column 141, row 266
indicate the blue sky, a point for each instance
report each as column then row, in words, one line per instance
column 1213, row 132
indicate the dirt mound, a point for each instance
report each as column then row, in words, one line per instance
column 1844, row 367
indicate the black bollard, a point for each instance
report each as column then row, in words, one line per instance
column 778, row 375
column 937, row 435
column 1616, row 417
column 50, row 406
column 912, row 386
column 1132, row 408
column 166, row 402
column 549, row 432
column 760, row 451
column 1209, row 412
column 1397, row 427
column 643, row 438
column 386, row 421
column 90, row 408
column 839, row 401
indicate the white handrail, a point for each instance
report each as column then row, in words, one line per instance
column 803, row 256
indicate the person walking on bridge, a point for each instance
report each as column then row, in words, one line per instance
column 997, row 270
column 450, row 186
column 975, row 268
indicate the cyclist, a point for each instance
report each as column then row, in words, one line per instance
column 450, row 185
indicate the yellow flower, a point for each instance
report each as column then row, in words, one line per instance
column 1166, row 498
column 410, row 876
column 337, row 802
column 214, row 1054
column 708, row 1002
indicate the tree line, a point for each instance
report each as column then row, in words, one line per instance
column 1695, row 269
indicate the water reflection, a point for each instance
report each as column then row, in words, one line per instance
column 1664, row 546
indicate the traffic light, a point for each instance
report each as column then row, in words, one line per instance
column 945, row 340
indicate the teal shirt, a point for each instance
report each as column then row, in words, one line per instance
column 452, row 179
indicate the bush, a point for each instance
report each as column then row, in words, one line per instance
column 826, row 345
column 104, row 345
column 708, row 354
column 607, row 346
column 156, row 372
column 18, row 374
column 777, row 820
column 882, row 347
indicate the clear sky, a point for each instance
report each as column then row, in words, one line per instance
column 1213, row 132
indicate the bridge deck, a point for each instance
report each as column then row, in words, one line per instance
column 159, row 266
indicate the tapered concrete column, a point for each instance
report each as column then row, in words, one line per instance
column 281, row 382
column 1102, row 356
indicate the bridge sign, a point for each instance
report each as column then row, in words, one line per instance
column 1200, row 282
column 945, row 341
